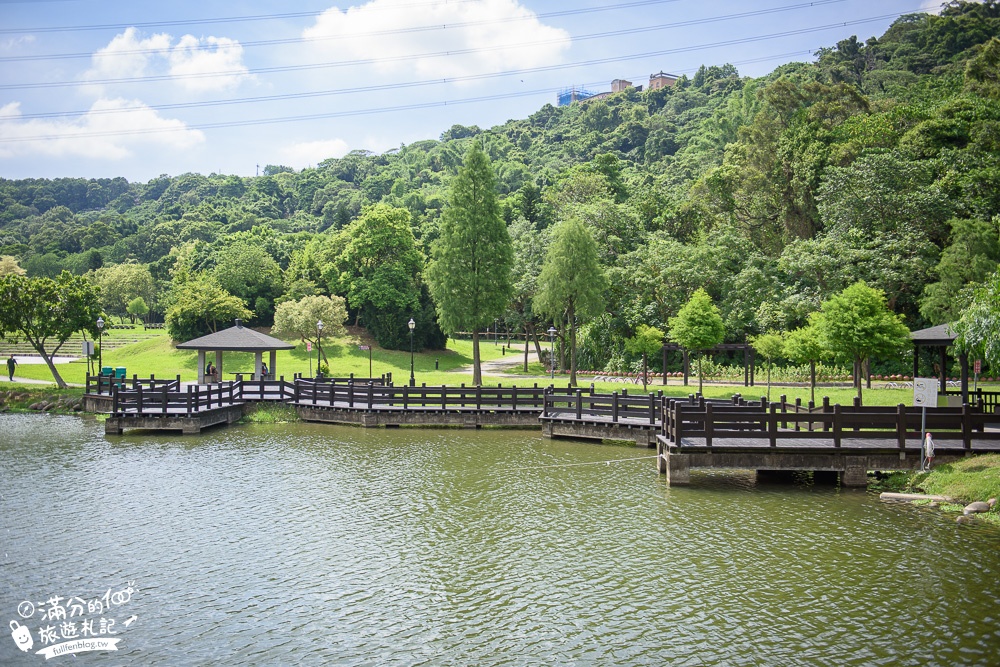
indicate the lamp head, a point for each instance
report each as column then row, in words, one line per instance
column 411, row 324
column 319, row 325
column 100, row 322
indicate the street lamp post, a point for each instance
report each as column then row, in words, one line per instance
column 412, row 325
column 552, row 353
column 319, row 345
column 100, row 350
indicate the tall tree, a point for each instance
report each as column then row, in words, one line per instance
column 470, row 275
column 698, row 327
column 199, row 306
column 46, row 312
column 120, row 284
column 804, row 346
column 297, row 319
column 770, row 345
column 247, row 271
column 572, row 283
column 857, row 324
column 978, row 328
column 646, row 341
column 379, row 271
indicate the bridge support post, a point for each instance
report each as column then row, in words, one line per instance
column 678, row 469
column 855, row 471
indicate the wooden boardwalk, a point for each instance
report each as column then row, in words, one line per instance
column 849, row 440
column 688, row 433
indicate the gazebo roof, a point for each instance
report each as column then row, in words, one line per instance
column 942, row 334
column 237, row 339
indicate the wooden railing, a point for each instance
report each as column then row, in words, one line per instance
column 987, row 400
column 102, row 384
column 372, row 396
column 615, row 407
column 384, row 379
column 163, row 401
column 738, row 419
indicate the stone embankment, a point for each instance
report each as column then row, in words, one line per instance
column 15, row 399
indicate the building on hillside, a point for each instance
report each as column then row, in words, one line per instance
column 618, row 85
column 569, row 95
column 661, row 80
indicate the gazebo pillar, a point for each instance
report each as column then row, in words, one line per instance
column 218, row 365
column 273, row 361
column 257, row 356
column 201, row 366
column 944, row 372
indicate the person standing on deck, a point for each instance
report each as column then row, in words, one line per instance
column 11, row 363
column 929, row 450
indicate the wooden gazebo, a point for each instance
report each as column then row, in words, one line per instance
column 236, row 339
column 942, row 337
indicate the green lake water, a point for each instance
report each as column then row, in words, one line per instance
column 305, row 544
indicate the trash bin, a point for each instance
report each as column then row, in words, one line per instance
column 107, row 371
column 120, row 372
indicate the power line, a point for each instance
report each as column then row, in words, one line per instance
column 429, row 28
column 408, row 57
column 415, row 106
column 287, row 15
column 355, row 89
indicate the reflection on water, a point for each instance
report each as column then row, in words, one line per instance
column 314, row 544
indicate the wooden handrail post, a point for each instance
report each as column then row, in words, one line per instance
column 966, row 427
column 837, row 425
column 614, row 407
column 114, row 399
column 772, row 426
column 652, row 408
column 138, row 407
column 166, row 399
column 709, row 425
column 826, row 409
column 579, row 404
column 901, row 426
column 798, row 411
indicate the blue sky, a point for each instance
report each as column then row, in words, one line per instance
column 99, row 88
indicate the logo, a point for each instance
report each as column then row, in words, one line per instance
column 73, row 624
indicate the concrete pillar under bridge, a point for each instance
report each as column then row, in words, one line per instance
column 852, row 467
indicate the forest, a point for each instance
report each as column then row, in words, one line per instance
column 879, row 162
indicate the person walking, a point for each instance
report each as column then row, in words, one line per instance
column 11, row 363
column 929, row 450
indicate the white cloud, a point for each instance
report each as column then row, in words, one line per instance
column 190, row 58
column 96, row 134
column 12, row 43
column 307, row 153
column 129, row 55
column 506, row 36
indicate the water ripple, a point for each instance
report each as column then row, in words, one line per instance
column 315, row 545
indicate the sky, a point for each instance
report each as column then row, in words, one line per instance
column 101, row 88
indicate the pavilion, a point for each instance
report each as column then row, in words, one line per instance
column 236, row 339
column 942, row 337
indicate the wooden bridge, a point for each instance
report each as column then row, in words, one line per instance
column 688, row 433
column 849, row 440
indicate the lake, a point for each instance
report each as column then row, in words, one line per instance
column 313, row 544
